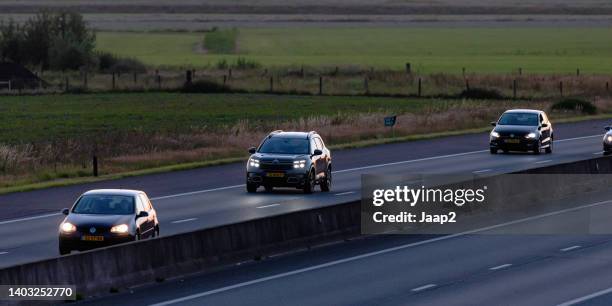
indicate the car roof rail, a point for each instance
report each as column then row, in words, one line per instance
column 274, row 133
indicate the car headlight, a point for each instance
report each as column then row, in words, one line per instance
column 119, row 229
column 494, row 134
column 531, row 135
column 68, row 227
column 254, row 163
column 299, row 164
column 608, row 138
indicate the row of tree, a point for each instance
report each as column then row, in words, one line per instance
column 57, row 41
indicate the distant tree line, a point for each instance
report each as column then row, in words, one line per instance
column 58, row 41
column 48, row 40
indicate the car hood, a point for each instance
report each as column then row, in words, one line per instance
column 280, row 157
column 518, row 129
column 98, row 220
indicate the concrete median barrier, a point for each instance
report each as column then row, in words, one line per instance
column 98, row 271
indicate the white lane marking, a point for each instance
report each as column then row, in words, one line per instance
column 195, row 192
column 3, row 253
column 184, row 220
column 570, row 248
column 410, row 161
column 543, row 161
column 345, row 170
column 344, row 193
column 29, row 218
column 586, row 297
column 481, row 171
column 371, row 254
column 500, row 267
column 266, row 206
column 428, row 286
column 598, row 153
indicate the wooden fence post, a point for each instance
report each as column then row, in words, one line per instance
column 514, row 89
column 224, row 79
column 67, row 84
column 85, row 80
column 135, row 78
column 420, row 88
column 95, row 166
column 408, row 68
column 320, row 85
column 113, row 86
column 561, row 88
column 159, row 81
column 271, row 83
column 366, row 86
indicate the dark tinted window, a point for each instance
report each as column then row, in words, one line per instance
column 519, row 119
column 105, row 205
column 280, row 145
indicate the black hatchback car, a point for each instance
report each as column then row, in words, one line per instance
column 522, row 130
column 106, row 217
column 290, row 159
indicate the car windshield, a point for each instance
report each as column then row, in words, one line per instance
column 525, row 119
column 280, row 145
column 105, row 205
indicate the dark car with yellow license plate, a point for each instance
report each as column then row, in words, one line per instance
column 107, row 217
column 290, row 159
column 524, row 130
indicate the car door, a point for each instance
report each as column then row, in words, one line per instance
column 145, row 222
column 319, row 158
column 545, row 131
column 323, row 158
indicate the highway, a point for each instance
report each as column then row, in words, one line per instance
column 207, row 197
column 461, row 269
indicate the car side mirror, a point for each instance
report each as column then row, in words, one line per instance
column 544, row 125
column 608, row 128
column 493, row 123
column 142, row 214
column 65, row 211
column 252, row 150
column 318, row 152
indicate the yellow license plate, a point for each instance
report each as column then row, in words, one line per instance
column 513, row 141
column 275, row 174
column 93, row 238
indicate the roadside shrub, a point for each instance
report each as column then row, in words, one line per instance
column 204, row 86
column 481, row 94
column 108, row 62
column 243, row 63
column 575, row 105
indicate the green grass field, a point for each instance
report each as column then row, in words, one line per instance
column 43, row 118
column 486, row 50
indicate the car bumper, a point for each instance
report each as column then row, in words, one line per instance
column 522, row 145
column 607, row 147
column 76, row 242
column 289, row 178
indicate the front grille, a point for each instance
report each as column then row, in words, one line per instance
column 516, row 135
column 276, row 167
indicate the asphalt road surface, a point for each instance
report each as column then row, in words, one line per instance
column 207, row 197
column 475, row 268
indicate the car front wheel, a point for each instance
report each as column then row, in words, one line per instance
column 549, row 149
column 251, row 188
column 310, row 183
column 327, row 182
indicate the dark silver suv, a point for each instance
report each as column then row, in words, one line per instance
column 290, row 159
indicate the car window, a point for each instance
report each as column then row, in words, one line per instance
column 284, row 145
column 319, row 144
column 525, row 119
column 139, row 205
column 145, row 202
column 322, row 143
column 105, row 205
